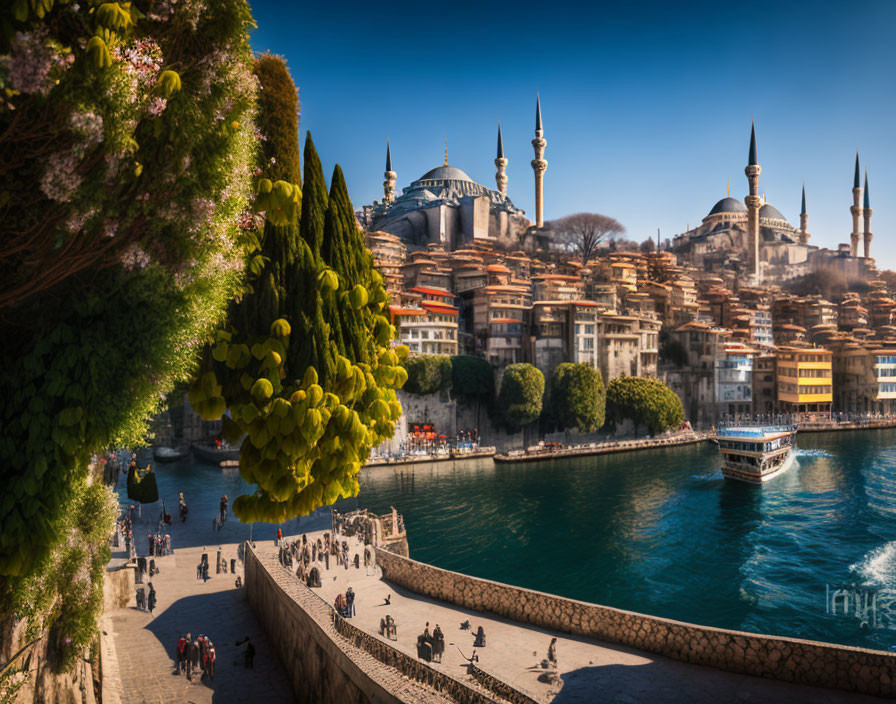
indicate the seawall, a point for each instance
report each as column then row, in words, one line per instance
column 330, row 661
column 787, row 659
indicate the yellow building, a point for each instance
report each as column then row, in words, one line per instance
column 805, row 387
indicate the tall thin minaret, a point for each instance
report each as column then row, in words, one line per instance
column 501, row 162
column 390, row 177
column 804, row 220
column 866, row 211
column 856, row 210
column 539, row 164
column 753, row 201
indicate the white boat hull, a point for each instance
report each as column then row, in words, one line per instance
column 752, row 478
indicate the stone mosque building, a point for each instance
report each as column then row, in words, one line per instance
column 752, row 238
column 446, row 207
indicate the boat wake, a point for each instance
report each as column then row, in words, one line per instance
column 811, row 453
column 878, row 567
column 711, row 476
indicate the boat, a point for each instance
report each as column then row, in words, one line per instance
column 214, row 454
column 168, row 454
column 755, row 454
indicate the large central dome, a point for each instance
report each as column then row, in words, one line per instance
column 445, row 173
column 728, row 205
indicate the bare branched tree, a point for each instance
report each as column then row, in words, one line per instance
column 584, row 231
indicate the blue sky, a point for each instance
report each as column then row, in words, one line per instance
column 646, row 106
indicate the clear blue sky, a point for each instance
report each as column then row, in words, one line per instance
column 646, row 106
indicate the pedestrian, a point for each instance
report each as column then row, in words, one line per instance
column 248, row 653
column 188, row 656
column 350, row 601
column 327, row 560
column 181, row 655
column 210, row 654
column 149, row 543
column 199, row 571
column 552, row 653
column 194, row 657
column 152, row 599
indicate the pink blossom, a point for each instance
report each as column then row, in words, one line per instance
column 89, row 125
column 61, row 178
column 157, row 106
column 110, row 226
column 32, row 61
column 134, row 257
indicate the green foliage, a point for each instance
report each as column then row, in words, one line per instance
column 121, row 211
column 578, row 397
column 278, row 119
column 427, row 373
column 472, row 379
column 304, row 368
column 521, row 394
column 64, row 594
column 142, row 486
column 647, row 402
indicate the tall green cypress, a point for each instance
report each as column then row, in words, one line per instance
column 278, row 109
column 314, row 199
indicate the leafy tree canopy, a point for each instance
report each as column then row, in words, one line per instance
column 472, row 379
column 427, row 373
column 578, row 397
column 647, row 402
column 520, row 397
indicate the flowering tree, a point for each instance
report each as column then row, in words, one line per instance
column 126, row 147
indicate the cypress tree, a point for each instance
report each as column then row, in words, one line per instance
column 314, row 199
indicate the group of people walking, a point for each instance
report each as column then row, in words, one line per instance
column 431, row 646
column 196, row 656
column 146, row 602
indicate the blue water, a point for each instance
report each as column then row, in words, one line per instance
column 660, row 532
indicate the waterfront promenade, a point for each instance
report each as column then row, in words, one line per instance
column 513, row 651
column 141, row 666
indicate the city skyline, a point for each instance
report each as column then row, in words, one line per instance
column 646, row 125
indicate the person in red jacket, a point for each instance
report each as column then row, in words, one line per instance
column 181, row 655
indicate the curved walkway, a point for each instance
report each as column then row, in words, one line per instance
column 590, row 670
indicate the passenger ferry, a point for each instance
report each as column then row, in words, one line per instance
column 756, row 453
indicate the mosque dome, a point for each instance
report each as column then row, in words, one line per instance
column 728, row 205
column 770, row 212
column 445, row 173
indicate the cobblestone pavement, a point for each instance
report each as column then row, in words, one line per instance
column 591, row 671
column 145, row 644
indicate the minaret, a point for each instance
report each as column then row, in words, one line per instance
column 501, row 162
column 539, row 165
column 753, row 202
column 866, row 211
column 856, row 211
column 390, row 176
column 804, row 220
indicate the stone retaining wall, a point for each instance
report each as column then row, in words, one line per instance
column 330, row 661
column 411, row 667
column 320, row 671
column 787, row 659
column 118, row 587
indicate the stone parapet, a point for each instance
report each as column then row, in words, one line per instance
column 329, row 660
column 787, row 659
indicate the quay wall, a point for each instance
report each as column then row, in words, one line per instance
column 330, row 661
column 787, row 659
column 320, row 671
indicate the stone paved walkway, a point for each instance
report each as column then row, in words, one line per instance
column 591, row 671
column 145, row 645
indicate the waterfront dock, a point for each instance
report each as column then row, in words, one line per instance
column 429, row 459
column 536, row 454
